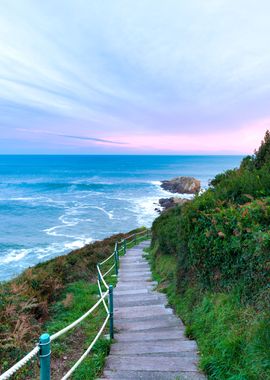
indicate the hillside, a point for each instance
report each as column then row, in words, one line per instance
column 212, row 258
column 48, row 297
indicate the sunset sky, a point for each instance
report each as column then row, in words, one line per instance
column 134, row 77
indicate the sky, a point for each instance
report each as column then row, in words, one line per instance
column 134, row 77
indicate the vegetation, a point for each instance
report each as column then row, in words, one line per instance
column 211, row 256
column 48, row 297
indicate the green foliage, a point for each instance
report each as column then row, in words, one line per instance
column 262, row 155
column 221, row 244
column 77, row 298
column 252, row 178
column 233, row 338
column 30, row 300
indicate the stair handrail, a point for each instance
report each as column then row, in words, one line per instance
column 43, row 347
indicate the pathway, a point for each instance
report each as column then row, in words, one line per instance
column 149, row 341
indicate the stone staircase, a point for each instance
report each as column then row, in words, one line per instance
column 149, row 339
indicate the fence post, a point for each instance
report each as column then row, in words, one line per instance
column 111, row 310
column 45, row 356
column 116, row 259
column 99, row 279
column 116, row 249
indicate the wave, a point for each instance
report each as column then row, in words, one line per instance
column 108, row 213
column 62, row 185
column 14, row 255
column 39, row 253
column 155, row 183
column 36, row 201
column 78, row 243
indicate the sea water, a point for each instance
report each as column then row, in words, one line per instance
column 50, row 205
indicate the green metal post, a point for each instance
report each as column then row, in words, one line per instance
column 45, row 356
column 111, row 310
column 116, row 250
column 116, row 261
column 99, row 279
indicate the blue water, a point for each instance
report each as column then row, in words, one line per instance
column 50, row 205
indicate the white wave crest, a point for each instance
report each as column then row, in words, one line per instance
column 14, row 255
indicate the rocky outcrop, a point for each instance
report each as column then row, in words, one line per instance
column 167, row 203
column 182, row 185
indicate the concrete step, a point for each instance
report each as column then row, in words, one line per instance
column 144, row 336
column 128, row 292
column 141, row 311
column 151, row 363
column 152, row 375
column 133, row 262
column 134, row 272
column 146, row 325
column 149, row 339
column 137, row 272
column 139, row 302
column 137, row 285
column 132, row 279
column 140, row 297
column 153, row 347
column 138, row 267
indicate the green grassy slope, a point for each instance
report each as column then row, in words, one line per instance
column 212, row 257
column 48, row 297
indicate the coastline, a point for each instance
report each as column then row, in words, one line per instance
column 45, row 213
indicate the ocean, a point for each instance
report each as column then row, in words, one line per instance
column 50, row 205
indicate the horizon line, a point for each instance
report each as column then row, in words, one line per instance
column 117, row 154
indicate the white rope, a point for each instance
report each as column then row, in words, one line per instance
column 34, row 352
column 108, row 258
column 102, row 279
column 75, row 323
column 136, row 233
column 108, row 271
column 20, row 364
column 130, row 236
column 101, row 294
column 67, row 375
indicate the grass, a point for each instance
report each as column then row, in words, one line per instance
column 50, row 296
column 211, row 256
column 76, row 300
column 233, row 338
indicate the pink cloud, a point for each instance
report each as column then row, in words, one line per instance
column 242, row 140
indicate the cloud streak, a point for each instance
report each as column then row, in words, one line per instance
column 94, row 139
column 125, row 71
column 85, row 138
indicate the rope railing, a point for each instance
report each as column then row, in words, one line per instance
column 43, row 348
column 67, row 375
column 20, row 364
column 109, row 270
column 79, row 320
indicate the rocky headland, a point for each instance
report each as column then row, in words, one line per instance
column 180, row 185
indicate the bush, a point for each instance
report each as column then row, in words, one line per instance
column 221, row 243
